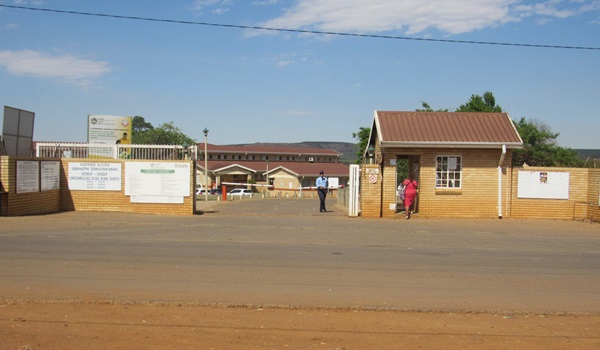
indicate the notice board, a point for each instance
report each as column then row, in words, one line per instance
column 543, row 184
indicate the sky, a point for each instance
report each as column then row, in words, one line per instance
column 205, row 64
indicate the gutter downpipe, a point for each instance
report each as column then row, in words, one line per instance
column 500, row 181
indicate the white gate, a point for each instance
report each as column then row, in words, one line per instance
column 354, row 191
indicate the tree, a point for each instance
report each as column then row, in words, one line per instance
column 165, row 134
column 540, row 149
column 487, row 104
column 427, row 108
column 140, row 125
column 363, row 139
column 144, row 133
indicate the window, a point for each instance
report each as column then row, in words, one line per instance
column 448, row 172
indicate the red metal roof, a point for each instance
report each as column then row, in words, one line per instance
column 269, row 150
column 446, row 129
column 300, row 168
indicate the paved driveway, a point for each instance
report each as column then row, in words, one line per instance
column 285, row 253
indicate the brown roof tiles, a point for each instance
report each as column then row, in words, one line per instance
column 445, row 129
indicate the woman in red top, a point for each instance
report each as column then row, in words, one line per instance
column 410, row 192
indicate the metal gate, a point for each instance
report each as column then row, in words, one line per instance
column 354, row 191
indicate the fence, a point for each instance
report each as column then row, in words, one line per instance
column 85, row 150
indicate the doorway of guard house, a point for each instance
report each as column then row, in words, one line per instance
column 405, row 166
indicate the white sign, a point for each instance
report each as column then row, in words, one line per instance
column 157, row 199
column 542, row 184
column 28, row 175
column 50, row 175
column 95, row 176
column 333, row 182
column 157, row 179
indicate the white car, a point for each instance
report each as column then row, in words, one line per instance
column 240, row 192
column 200, row 190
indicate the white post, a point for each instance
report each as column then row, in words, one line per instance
column 500, row 181
column 206, row 164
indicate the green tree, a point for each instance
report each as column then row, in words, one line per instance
column 487, row 103
column 362, row 136
column 165, row 134
column 427, row 108
column 140, row 125
column 540, row 149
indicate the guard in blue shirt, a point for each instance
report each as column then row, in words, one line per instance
column 322, row 190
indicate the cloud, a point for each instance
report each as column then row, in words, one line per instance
column 265, row 2
column 558, row 8
column 39, row 65
column 418, row 16
column 8, row 26
column 289, row 58
column 214, row 6
column 284, row 63
column 28, row 2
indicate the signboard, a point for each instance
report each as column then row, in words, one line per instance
column 542, row 184
column 50, row 175
column 333, row 182
column 157, row 179
column 28, row 175
column 95, row 176
column 108, row 130
column 17, row 131
column 157, row 199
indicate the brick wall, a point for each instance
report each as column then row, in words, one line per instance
column 582, row 203
column 117, row 201
column 13, row 204
column 30, row 203
column 594, row 195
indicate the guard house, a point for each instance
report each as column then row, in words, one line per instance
column 462, row 162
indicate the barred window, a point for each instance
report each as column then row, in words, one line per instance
column 448, row 172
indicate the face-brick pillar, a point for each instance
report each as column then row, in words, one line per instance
column 370, row 190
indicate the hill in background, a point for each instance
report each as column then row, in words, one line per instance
column 348, row 150
column 588, row 153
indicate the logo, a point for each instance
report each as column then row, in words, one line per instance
column 94, row 120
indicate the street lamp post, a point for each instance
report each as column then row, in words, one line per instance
column 267, row 182
column 206, row 164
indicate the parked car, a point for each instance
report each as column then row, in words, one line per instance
column 242, row 192
column 200, row 190
column 216, row 191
